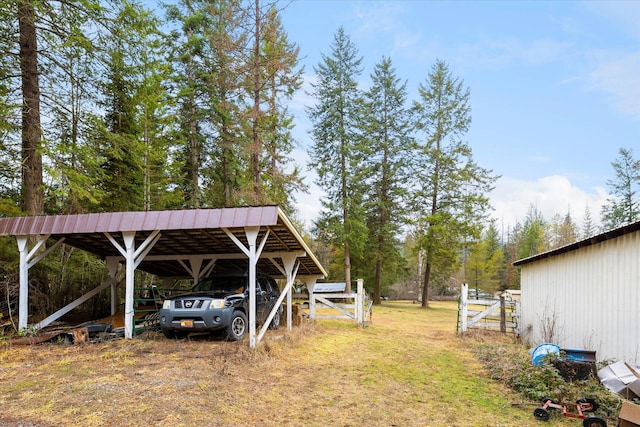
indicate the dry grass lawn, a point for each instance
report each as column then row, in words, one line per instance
column 406, row 369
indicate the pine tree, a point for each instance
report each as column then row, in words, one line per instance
column 32, row 178
column 335, row 137
column 623, row 205
column 10, row 144
column 532, row 238
column 386, row 146
column 282, row 78
column 563, row 231
column 193, row 82
column 588, row 228
column 127, row 138
column 450, row 199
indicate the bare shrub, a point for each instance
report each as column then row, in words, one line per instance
column 551, row 329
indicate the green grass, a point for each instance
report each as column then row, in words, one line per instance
column 407, row 368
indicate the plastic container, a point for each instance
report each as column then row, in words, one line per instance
column 579, row 355
column 538, row 354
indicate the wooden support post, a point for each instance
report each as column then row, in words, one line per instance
column 503, row 316
column 23, row 299
column 463, row 307
column 129, row 247
column 359, row 302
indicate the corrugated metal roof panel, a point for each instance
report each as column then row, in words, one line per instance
column 140, row 221
column 183, row 232
column 611, row 234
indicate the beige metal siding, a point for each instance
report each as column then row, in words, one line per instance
column 594, row 295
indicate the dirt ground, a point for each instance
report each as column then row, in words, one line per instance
column 407, row 368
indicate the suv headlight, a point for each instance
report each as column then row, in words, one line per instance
column 166, row 304
column 216, row 303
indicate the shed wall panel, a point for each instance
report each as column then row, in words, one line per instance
column 592, row 294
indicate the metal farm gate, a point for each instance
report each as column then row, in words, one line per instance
column 321, row 306
column 497, row 314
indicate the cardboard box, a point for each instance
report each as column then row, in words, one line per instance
column 629, row 415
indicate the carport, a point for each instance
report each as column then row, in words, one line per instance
column 173, row 244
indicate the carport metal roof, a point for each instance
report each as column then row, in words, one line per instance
column 172, row 244
column 182, row 233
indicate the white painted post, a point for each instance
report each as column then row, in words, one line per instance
column 289, row 262
column 312, row 299
column 360, row 302
column 252, row 236
column 463, row 307
column 290, row 306
column 129, row 243
column 23, row 299
column 112, row 268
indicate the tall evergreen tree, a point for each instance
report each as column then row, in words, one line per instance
column 532, row 237
column 336, row 134
column 563, row 231
column 386, row 147
column 282, row 78
column 127, row 133
column 10, row 149
column 62, row 30
column 227, row 182
column 512, row 273
column 71, row 69
column 192, row 80
column 451, row 197
column 623, row 205
column 32, row 178
column 588, row 228
column 152, row 102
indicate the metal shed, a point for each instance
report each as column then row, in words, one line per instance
column 587, row 294
column 170, row 244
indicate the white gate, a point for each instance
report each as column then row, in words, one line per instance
column 500, row 314
column 359, row 310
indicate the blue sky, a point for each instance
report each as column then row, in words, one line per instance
column 555, row 86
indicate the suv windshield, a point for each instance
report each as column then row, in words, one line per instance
column 221, row 284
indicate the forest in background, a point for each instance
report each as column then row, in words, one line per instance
column 110, row 106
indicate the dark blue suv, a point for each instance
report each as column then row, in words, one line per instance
column 220, row 303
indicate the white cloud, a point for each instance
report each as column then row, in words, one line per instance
column 620, row 78
column 382, row 17
column 550, row 195
column 623, row 14
column 498, row 52
column 512, row 198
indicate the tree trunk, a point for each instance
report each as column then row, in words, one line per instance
column 257, row 146
column 32, row 185
column 425, row 285
column 377, row 282
column 347, row 268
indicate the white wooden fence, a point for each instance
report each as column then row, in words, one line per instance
column 359, row 310
column 500, row 314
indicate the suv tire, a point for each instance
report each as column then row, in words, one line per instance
column 238, row 325
column 277, row 320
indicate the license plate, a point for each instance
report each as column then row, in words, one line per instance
column 186, row 323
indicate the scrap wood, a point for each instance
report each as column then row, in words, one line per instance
column 37, row 339
column 80, row 335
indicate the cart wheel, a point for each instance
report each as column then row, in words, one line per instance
column 541, row 414
column 548, row 399
column 587, row 404
column 594, row 422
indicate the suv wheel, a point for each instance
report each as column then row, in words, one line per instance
column 237, row 328
column 277, row 320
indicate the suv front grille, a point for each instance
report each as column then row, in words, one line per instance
column 189, row 303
